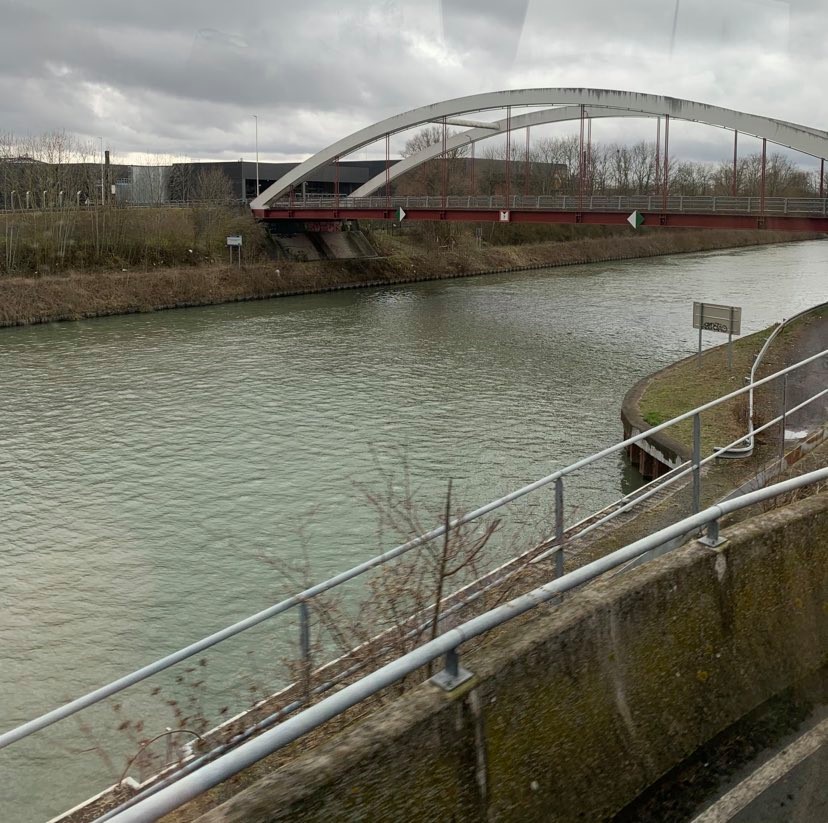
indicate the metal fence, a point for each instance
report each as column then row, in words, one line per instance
column 793, row 206
column 35, row 203
column 28, row 202
column 161, row 802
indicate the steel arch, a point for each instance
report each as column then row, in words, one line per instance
column 466, row 138
column 801, row 138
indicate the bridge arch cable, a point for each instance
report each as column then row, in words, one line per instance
column 810, row 141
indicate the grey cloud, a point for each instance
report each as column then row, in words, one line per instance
column 184, row 77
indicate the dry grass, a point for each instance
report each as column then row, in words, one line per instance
column 52, row 242
column 76, row 294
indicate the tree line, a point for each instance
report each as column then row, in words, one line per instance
column 58, row 170
column 553, row 167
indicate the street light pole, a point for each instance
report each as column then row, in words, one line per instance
column 256, row 118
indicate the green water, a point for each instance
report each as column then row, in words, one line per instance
column 160, row 470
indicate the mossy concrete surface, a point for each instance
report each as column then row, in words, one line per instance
column 574, row 713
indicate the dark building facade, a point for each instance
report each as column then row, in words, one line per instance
column 186, row 179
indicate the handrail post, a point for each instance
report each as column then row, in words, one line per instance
column 453, row 674
column 559, row 527
column 696, row 463
column 712, row 539
column 304, row 646
column 784, row 423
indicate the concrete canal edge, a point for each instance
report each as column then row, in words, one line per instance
column 580, row 709
column 659, row 453
column 76, row 296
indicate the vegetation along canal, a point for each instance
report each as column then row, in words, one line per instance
column 160, row 470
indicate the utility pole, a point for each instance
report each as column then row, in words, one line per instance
column 103, row 195
column 256, row 118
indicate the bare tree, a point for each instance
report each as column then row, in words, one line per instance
column 212, row 193
column 428, row 178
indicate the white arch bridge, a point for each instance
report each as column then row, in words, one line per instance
column 661, row 207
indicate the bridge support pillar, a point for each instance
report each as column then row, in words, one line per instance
column 666, row 190
column 764, row 176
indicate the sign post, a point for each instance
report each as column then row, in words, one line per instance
column 723, row 319
column 235, row 242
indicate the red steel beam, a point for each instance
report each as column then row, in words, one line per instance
column 666, row 159
column 387, row 169
column 508, row 153
column 526, row 173
column 581, row 161
column 444, row 181
column 658, row 156
column 681, row 220
column 590, row 181
column 471, row 173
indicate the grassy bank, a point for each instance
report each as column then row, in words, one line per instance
column 687, row 384
column 70, row 239
column 407, row 258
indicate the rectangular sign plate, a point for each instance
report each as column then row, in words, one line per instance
column 235, row 240
column 712, row 317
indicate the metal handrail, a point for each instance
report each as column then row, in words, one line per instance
column 492, row 581
column 118, row 685
column 604, row 202
column 813, row 206
column 746, row 450
column 684, row 470
column 189, row 787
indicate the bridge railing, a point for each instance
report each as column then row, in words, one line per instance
column 52, row 205
column 794, row 206
column 473, row 596
column 151, row 806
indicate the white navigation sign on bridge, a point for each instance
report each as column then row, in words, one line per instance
column 636, row 219
column 400, row 214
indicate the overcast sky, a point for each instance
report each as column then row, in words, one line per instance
column 184, row 77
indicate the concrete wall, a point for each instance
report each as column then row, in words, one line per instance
column 573, row 713
column 660, row 452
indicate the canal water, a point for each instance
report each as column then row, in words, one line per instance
column 161, row 471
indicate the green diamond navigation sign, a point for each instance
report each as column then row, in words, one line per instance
column 400, row 215
column 636, row 219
